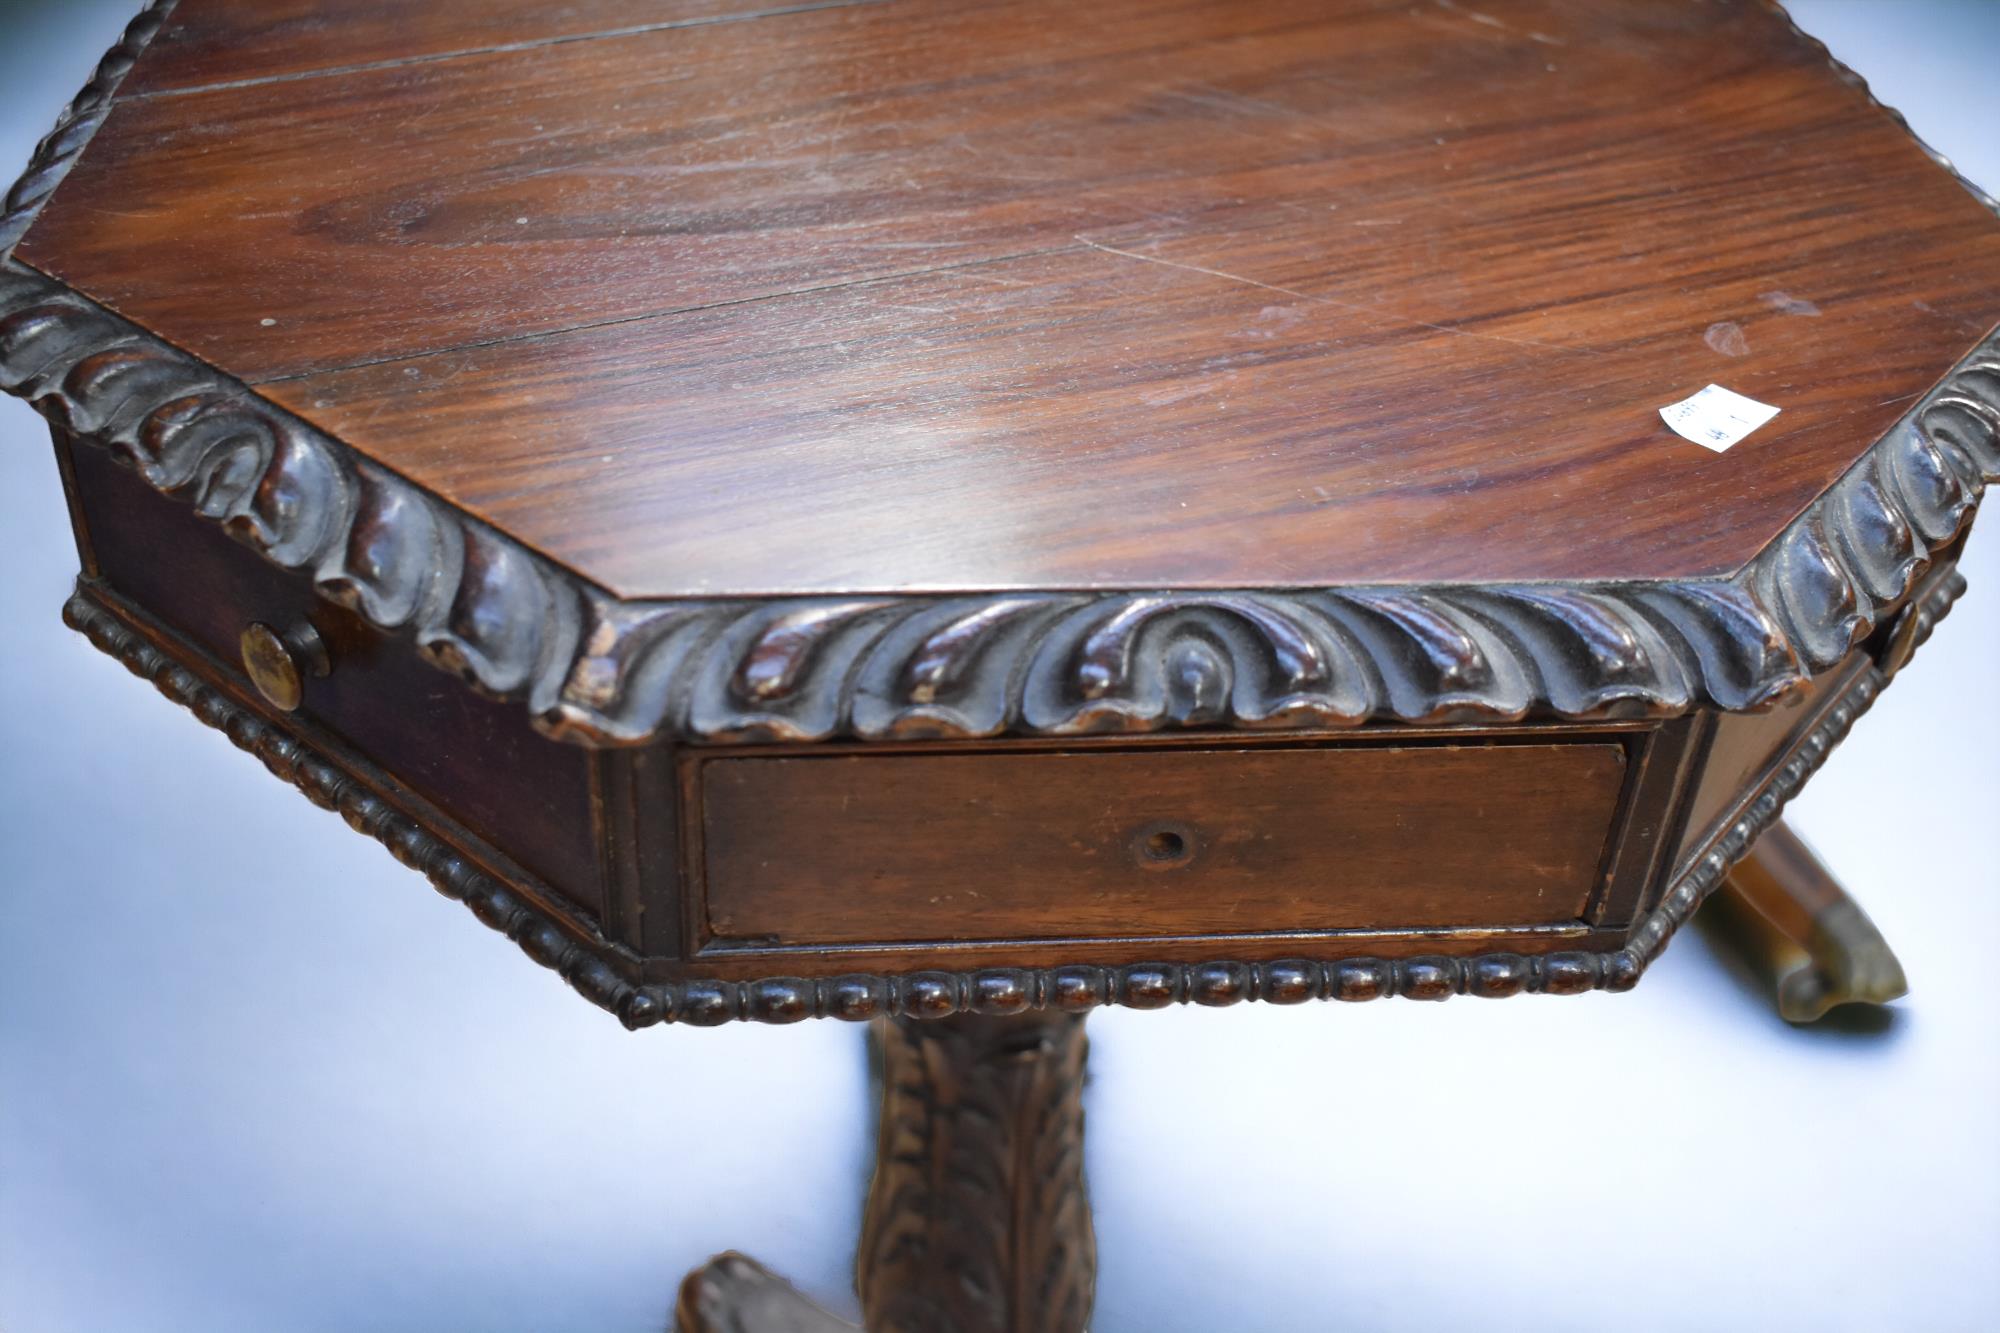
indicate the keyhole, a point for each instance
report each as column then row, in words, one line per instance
column 1163, row 846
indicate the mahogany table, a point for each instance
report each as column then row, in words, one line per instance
column 954, row 514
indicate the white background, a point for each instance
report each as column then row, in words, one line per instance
column 255, row 1076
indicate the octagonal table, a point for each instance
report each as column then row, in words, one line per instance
column 956, row 514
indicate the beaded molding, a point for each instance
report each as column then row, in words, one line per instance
column 586, row 963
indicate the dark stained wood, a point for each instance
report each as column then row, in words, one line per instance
column 1742, row 746
column 1312, row 294
column 1153, row 843
column 1221, row 964
column 695, row 300
column 932, row 980
column 476, row 760
column 831, row 442
column 205, row 42
column 977, row 1219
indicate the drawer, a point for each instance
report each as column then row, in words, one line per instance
column 476, row 760
column 1151, row 843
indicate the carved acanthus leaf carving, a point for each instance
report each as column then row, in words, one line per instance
column 977, row 1219
column 600, row 972
column 598, row 670
column 601, row 671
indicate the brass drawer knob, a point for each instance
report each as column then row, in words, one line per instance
column 278, row 663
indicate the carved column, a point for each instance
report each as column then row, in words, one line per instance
column 977, row 1220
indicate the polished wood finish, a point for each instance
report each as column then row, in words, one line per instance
column 937, row 980
column 1805, row 934
column 977, row 1218
column 1301, row 844
column 1150, row 843
column 1741, row 746
column 851, row 299
column 204, row 44
column 475, row 760
column 746, row 713
column 835, row 417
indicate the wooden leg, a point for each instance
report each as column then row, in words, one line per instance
column 1799, row 926
column 977, row 1220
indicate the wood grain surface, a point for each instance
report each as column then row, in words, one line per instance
column 941, row 296
column 240, row 41
column 907, row 848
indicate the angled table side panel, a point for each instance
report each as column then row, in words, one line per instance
column 611, row 974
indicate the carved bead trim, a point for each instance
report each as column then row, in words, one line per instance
column 601, row 671
column 61, row 146
column 586, row 965
column 1734, row 842
column 1935, row 605
column 327, row 786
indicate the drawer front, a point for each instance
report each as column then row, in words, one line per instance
column 476, row 760
column 1152, row 843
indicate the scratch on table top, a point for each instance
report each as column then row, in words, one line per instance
column 1356, row 306
column 1787, row 304
column 1489, row 21
column 1472, row 14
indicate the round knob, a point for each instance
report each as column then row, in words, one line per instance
column 278, row 663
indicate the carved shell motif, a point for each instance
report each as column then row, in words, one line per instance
column 602, row 671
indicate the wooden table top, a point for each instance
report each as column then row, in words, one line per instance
column 836, row 420
column 713, row 298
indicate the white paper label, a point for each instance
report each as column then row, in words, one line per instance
column 1716, row 418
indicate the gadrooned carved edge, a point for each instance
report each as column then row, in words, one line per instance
column 995, row 991
column 1847, row 75
column 61, row 146
column 602, row 671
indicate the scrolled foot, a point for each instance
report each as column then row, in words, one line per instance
column 1798, row 926
column 732, row 1293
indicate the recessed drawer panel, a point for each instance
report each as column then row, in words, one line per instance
column 1154, row 842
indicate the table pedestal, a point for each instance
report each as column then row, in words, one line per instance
column 977, row 1221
